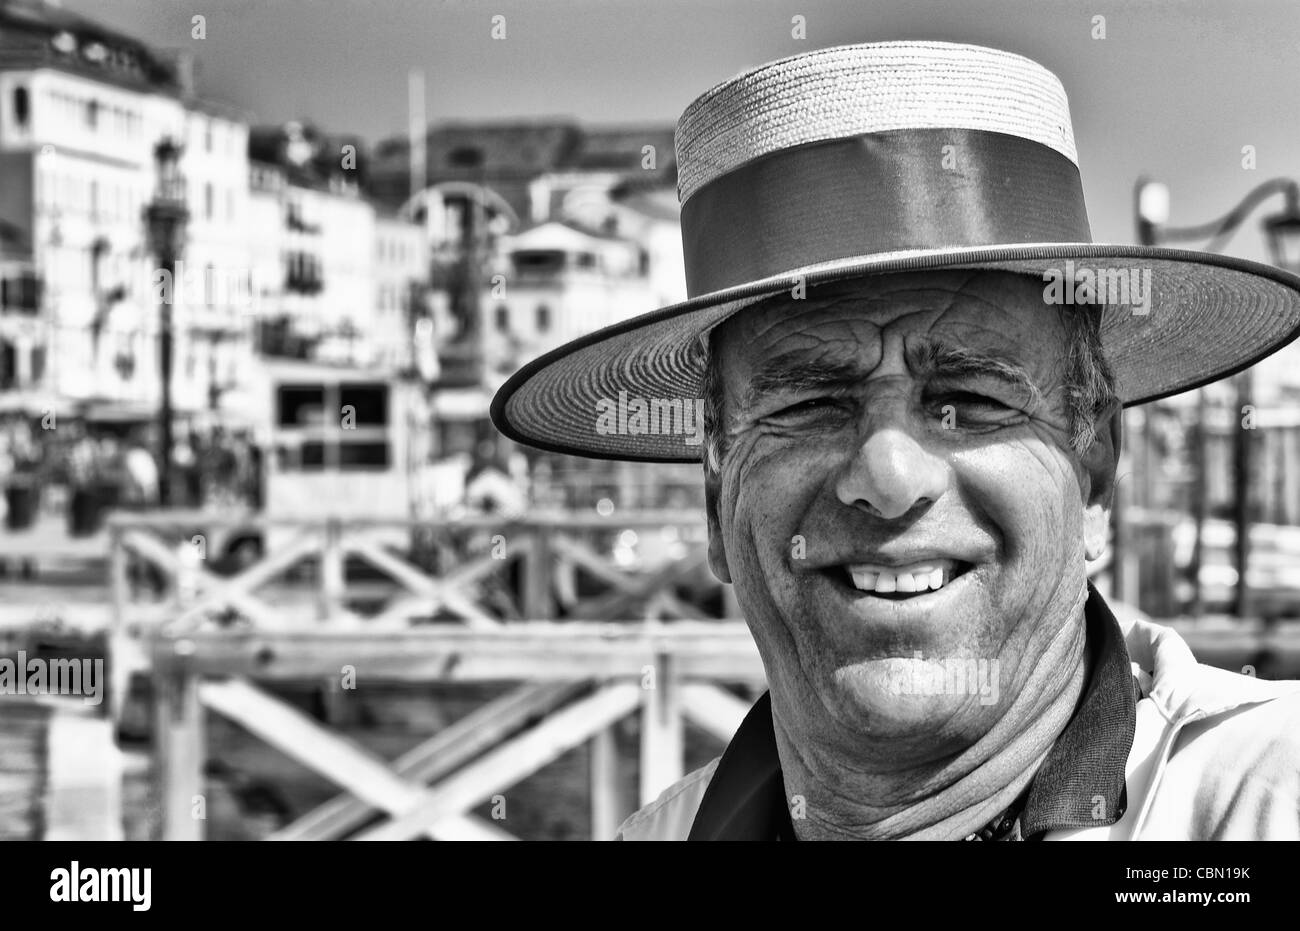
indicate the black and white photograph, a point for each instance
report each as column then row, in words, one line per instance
column 649, row 420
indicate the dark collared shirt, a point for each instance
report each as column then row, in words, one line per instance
column 746, row 798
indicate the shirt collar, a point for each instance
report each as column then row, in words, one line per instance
column 1080, row 784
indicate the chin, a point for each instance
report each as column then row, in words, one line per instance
column 901, row 698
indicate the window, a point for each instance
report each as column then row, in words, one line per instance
column 21, row 292
column 92, row 113
column 364, row 455
column 465, row 157
column 299, row 405
column 8, row 365
column 355, row 438
column 537, row 261
column 207, row 136
column 207, row 201
column 22, row 106
column 502, row 318
column 303, row 273
column 543, row 318
column 368, row 403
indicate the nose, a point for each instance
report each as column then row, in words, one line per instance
column 890, row 474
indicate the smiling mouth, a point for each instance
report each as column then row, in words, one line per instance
column 900, row 583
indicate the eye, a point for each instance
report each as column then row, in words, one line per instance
column 967, row 409
column 967, row 399
column 810, row 406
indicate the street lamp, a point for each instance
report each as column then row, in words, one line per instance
column 166, row 217
column 1282, row 233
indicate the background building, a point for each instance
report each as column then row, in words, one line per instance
column 81, row 111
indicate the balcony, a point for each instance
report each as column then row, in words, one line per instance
column 277, row 337
column 303, row 284
column 295, row 222
column 303, row 274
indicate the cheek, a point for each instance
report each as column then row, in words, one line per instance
column 1030, row 491
column 766, row 491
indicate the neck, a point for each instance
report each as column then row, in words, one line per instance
column 946, row 798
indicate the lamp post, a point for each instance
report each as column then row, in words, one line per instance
column 1282, row 233
column 166, row 217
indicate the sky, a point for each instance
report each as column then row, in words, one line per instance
column 1173, row 90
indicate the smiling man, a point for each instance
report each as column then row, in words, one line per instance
column 915, row 433
column 910, row 453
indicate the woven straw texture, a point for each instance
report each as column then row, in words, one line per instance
column 1210, row 316
column 854, row 89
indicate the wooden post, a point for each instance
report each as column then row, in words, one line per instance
column 1118, row 530
column 537, row 576
column 1270, row 483
column 1124, row 559
column 1200, row 489
column 661, row 729
column 83, row 778
column 338, row 705
column 120, row 588
column 119, row 594
column 178, row 743
column 1241, row 493
column 333, row 584
column 607, row 805
column 1148, row 464
column 1290, row 469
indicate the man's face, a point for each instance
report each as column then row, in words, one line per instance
column 905, row 432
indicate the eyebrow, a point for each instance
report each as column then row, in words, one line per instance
column 948, row 361
column 797, row 372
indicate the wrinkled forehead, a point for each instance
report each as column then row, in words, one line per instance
column 1000, row 313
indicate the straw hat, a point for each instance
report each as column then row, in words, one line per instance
column 864, row 160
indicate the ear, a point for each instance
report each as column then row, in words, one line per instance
column 1100, row 462
column 717, row 548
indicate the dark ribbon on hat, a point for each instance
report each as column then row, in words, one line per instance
column 878, row 192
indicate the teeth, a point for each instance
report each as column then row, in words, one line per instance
column 920, row 577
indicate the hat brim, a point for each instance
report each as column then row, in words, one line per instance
column 1209, row 317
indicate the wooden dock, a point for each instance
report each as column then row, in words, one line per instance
column 288, row 709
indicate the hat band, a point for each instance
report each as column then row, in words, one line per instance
column 878, row 192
